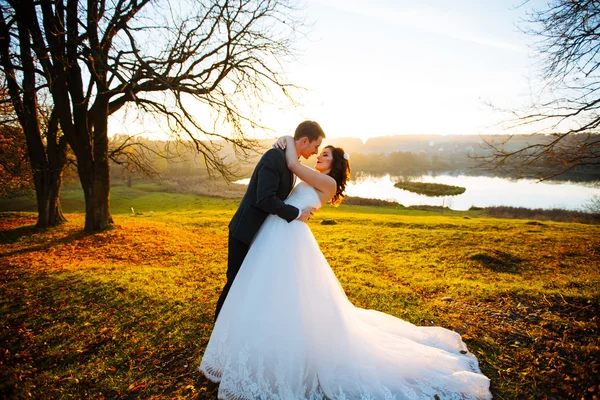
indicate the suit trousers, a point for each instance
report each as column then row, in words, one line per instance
column 236, row 253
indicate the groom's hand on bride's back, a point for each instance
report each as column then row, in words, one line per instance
column 306, row 214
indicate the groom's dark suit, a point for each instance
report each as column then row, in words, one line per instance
column 271, row 183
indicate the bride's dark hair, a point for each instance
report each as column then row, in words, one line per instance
column 340, row 171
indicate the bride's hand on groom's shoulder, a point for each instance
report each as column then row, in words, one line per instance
column 281, row 143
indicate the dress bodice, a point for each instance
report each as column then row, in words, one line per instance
column 304, row 196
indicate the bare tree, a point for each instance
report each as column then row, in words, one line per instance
column 45, row 148
column 566, row 109
column 198, row 66
column 593, row 205
column 136, row 155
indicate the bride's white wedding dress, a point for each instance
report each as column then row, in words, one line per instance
column 287, row 331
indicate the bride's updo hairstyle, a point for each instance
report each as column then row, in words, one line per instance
column 340, row 171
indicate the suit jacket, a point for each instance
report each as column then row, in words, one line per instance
column 270, row 184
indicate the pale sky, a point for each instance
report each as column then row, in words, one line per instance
column 408, row 67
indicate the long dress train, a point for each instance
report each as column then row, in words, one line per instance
column 287, row 331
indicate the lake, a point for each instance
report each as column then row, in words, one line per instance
column 482, row 191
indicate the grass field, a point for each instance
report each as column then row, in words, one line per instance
column 127, row 313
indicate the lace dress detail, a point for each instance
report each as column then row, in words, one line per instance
column 287, row 331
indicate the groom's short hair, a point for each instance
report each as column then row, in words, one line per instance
column 310, row 130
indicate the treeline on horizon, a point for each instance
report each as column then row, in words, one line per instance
column 403, row 156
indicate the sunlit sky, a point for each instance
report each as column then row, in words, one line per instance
column 397, row 67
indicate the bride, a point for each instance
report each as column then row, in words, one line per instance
column 287, row 330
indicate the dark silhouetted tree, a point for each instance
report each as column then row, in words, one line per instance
column 31, row 143
column 199, row 67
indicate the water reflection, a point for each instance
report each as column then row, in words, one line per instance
column 482, row 191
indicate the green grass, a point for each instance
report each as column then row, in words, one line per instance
column 127, row 313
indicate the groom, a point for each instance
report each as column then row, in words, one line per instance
column 270, row 184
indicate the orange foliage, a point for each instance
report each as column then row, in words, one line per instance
column 15, row 172
column 68, row 248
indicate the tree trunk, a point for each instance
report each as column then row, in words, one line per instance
column 96, row 191
column 56, row 216
column 48, row 182
column 41, row 199
column 47, row 191
column 100, row 201
column 95, row 178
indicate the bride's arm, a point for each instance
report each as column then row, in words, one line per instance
column 319, row 181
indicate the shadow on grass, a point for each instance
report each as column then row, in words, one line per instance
column 70, row 335
column 14, row 235
column 498, row 261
